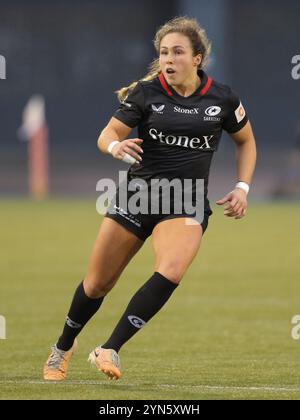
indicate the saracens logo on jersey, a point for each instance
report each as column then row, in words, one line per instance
column 202, row 142
column 212, row 112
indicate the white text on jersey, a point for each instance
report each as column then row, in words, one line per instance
column 185, row 141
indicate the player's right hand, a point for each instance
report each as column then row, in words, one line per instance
column 130, row 147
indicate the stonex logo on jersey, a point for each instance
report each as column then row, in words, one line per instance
column 183, row 141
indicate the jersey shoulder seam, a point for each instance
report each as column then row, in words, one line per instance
column 146, row 84
column 221, row 87
column 140, row 82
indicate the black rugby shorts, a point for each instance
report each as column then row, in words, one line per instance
column 142, row 225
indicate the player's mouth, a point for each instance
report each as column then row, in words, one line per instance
column 170, row 72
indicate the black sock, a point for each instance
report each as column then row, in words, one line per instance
column 148, row 300
column 81, row 311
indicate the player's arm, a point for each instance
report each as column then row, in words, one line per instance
column 245, row 153
column 236, row 201
column 117, row 132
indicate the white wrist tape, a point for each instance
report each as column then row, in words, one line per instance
column 128, row 159
column 111, row 145
column 244, row 186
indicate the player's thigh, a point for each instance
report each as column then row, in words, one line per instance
column 113, row 249
column 175, row 243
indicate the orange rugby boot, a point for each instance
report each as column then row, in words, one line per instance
column 106, row 361
column 56, row 367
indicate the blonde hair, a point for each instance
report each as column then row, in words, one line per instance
column 185, row 26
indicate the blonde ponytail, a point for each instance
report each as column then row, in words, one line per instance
column 153, row 72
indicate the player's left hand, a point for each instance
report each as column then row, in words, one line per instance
column 235, row 203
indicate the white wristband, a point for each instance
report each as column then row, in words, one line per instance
column 243, row 186
column 128, row 159
column 111, row 145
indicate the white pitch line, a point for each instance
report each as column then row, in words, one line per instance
column 196, row 387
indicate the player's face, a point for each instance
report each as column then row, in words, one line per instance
column 176, row 58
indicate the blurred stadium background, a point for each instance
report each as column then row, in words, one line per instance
column 76, row 54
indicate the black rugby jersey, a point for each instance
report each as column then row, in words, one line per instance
column 180, row 133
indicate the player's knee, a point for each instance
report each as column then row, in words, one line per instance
column 95, row 288
column 172, row 270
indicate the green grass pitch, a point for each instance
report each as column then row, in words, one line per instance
column 225, row 333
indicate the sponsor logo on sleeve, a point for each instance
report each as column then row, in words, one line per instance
column 240, row 113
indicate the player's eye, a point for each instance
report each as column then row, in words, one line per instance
column 176, row 52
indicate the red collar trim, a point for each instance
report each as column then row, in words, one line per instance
column 206, row 87
column 202, row 92
column 164, row 84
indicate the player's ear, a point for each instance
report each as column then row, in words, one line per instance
column 198, row 60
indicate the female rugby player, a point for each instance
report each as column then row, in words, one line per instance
column 180, row 113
